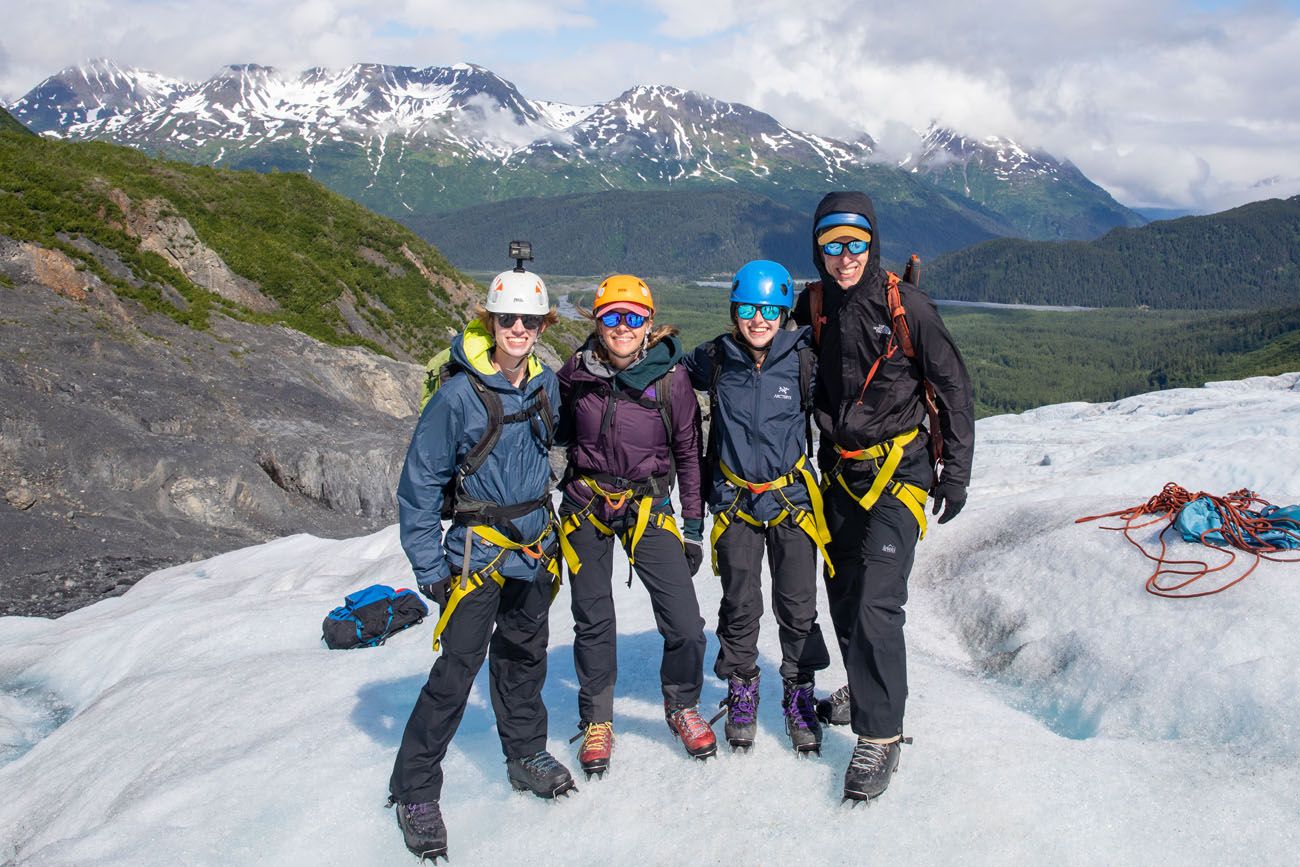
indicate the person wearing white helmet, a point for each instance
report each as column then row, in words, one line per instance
column 479, row 458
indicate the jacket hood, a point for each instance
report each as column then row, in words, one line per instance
column 657, row 360
column 853, row 203
column 472, row 349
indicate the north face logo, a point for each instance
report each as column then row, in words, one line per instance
column 882, row 329
column 782, row 393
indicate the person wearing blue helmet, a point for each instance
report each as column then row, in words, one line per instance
column 764, row 497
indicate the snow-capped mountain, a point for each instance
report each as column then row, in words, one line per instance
column 429, row 140
column 1036, row 192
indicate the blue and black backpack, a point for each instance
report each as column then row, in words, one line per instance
column 369, row 617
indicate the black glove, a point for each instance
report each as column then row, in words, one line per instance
column 694, row 555
column 437, row 591
column 949, row 496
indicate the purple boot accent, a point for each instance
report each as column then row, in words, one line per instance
column 801, row 723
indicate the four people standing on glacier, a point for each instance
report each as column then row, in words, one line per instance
column 860, row 351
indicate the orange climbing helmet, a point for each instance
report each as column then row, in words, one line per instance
column 627, row 291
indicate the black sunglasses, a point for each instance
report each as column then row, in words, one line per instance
column 507, row 320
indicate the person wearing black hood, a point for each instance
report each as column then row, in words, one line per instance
column 875, row 454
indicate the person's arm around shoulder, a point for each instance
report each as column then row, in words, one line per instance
column 699, row 365
column 687, row 455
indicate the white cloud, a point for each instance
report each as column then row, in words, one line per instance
column 1163, row 103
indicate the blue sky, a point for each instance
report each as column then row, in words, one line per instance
column 1176, row 103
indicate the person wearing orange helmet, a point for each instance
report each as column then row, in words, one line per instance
column 632, row 425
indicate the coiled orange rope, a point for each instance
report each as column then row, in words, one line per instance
column 1241, row 529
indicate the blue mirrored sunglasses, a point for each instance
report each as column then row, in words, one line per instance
column 771, row 312
column 836, row 248
column 611, row 319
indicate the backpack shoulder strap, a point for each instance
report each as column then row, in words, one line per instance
column 664, row 401
column 492, row 433
column 815, row 303
column 898, row 314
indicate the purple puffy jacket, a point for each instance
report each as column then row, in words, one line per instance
column 635, row 446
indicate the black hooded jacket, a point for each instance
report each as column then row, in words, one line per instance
column 856, row 332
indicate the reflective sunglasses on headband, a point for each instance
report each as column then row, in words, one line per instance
column 771, row 312
column 836, row 248
column 532, row 322
column 612, row 318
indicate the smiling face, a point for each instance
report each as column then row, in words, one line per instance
column 514, row 340
column 846, row 269
column 623, row 342
column 757, row 331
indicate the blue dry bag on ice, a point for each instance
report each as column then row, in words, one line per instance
column 368, row 617
column 1200, row 520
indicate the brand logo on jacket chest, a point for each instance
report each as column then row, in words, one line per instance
column 783, row 393
column 882, row 330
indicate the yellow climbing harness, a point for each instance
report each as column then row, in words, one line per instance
column 645, row 516
column 811, row 520
column 468, row 581
column 887, row 456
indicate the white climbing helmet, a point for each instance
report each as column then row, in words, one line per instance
column 518, row 292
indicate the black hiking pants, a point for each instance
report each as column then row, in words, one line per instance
column 792, row 560
column 872, row 552
column 661, row 566
column 509, row 625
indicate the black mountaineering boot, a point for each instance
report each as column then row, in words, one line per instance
column 741, row 707
column 834, row 709
column 800, row 719
column 421, row 824
column 869, row 770
column 540, row 774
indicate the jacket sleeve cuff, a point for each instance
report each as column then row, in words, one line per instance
column 693, row 529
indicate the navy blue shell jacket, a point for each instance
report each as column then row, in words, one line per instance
column 759, row 418
column 516, row 471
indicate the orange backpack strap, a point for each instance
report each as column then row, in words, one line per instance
column 815, row 316
column 898, row 314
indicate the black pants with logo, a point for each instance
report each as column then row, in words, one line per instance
column 792, row 560
column 509, row 625
column 872, row 552
column 661, row 566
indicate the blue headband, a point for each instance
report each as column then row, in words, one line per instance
column 841, row 218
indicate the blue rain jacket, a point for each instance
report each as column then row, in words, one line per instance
column 516, row 471
column 760, row 421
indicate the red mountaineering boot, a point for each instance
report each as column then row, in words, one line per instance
column 695, row 733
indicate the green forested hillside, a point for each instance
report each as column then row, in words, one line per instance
column 1248, row 257
column 311, row 251
column 1021, row 359
column 8, row 124
column 687, row 232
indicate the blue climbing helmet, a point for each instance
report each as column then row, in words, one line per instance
column 763, row 282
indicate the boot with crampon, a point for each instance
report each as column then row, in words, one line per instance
column 423, row 829
column 741, row 709
column 597, row 744
column 800, row 717
column 696, row 735
column 540, row 774
column 834, row 710
column 870, row 769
